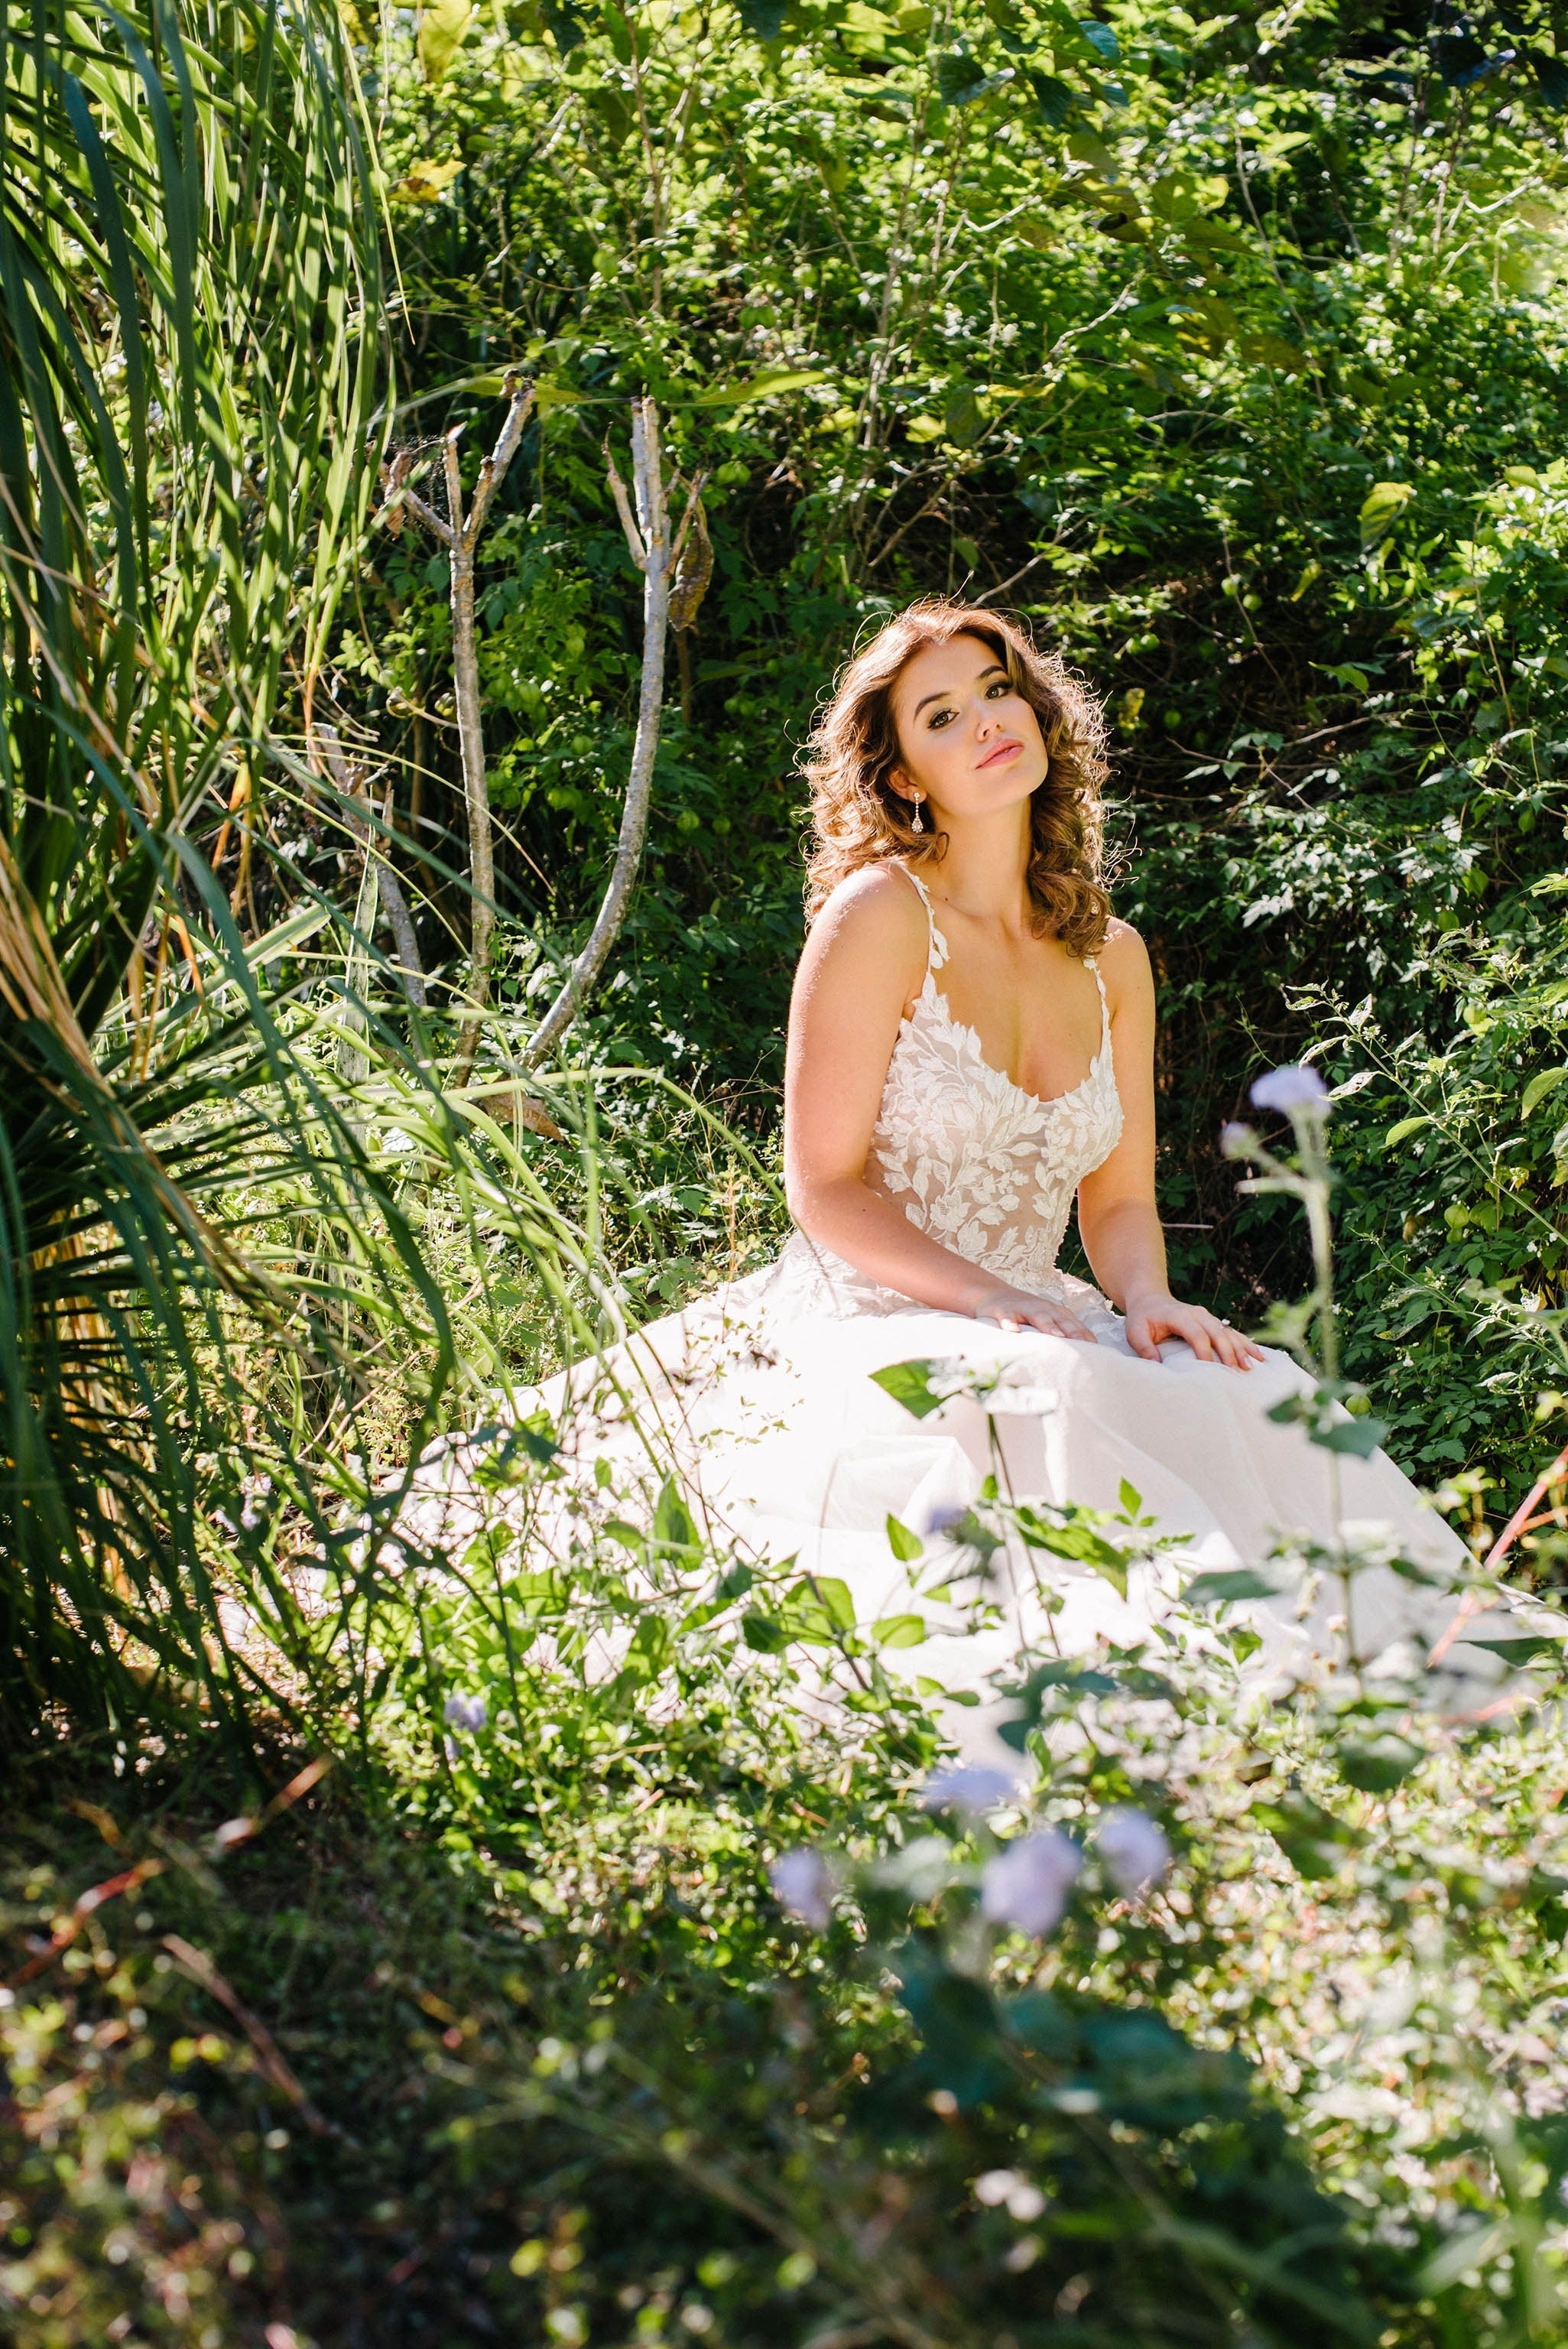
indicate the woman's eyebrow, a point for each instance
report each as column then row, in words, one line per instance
column 995, row 669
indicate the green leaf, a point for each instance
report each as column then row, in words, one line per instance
column 1220, row 1589
column 907, row 1383
column 1539, row 1648
column 1055, row 99
column 1406, row 1126
column 1357, row 1437
column 764, row 1634
column 1538, row 1086
column 673, row 1523
column 442, row 24
column 903, row 1544
column 1380, row 507
column 1550, row 76
column 1129, row 1497
column 1100, row 38
column 1273, row 351
column 764, row 19
column 898, row 1630
column 834, row 1597
column 770, row 384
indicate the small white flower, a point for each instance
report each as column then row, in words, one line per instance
column 1236, row 1141
column 1024, row 2200
column 1028, row 1883
column 803, row 1884
column 968, row 1788
column 1295, row 1086
column 465, row 1712
column 1134, row 1850
column 249, row 1517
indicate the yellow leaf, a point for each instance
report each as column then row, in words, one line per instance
column 425, row 182
column 442, row 25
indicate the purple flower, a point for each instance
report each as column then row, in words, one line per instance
column 1028, row 1883
column 1236, row 1141
column 1133, row 1849
column 802, row 1883
column 1295, row 1087
column 968, row 1788
column 465, row 1711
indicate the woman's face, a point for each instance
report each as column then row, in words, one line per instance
column 968, row 741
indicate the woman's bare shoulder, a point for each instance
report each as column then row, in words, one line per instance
column 1124, row 962
column 875, row 910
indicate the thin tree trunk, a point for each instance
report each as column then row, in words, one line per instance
column 649, row 540
column 460, row 534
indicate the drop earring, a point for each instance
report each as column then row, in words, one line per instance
column 917, row 822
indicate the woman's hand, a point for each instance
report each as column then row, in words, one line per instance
column 1158, row 1314
column 1020, row 1309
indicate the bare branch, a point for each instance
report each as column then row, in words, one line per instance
column 492, row 472
column 431, row 519
column 622, row 507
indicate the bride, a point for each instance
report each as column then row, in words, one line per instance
column 970, row 1051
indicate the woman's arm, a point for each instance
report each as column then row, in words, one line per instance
column 1118, row 1219
column 864, row 963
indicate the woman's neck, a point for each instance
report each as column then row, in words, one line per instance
column 984, row 872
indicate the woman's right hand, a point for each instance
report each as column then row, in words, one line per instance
column 1018, row 1308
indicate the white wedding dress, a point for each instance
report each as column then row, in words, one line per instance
column 763, row 1395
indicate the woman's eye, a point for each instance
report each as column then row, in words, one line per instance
column 940, row 717
column 999, row 691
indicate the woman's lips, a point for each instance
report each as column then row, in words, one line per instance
column 1004, row 750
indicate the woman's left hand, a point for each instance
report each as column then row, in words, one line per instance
column 1150, row 1319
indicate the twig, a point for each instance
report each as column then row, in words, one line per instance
column 87, row 1902
column 1475, row 1601
column 204, row 1973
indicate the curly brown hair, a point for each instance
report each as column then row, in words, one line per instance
column 859, row 817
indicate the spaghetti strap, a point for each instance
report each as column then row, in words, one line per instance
column 936, row 952
column 1093, row 962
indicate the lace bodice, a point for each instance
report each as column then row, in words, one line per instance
column 989, row 1170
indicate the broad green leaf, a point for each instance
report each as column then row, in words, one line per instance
column 1538, row 1086
column 1219, row 1589
column 898, row 1630
column 1401, row 1132
column 770, row 384
column 764, row 19
column 907, row 1384
column 1357, row 1437
column 1541, row 1647
column 764, row 1634
column 833, row 1596
column 1130, row 1499
column 903, row 1544
column 673, row 1523
column 1380, row 507
column 442, row 24
column 1273, row 351
column 1100, row 38
column 1056, row 99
